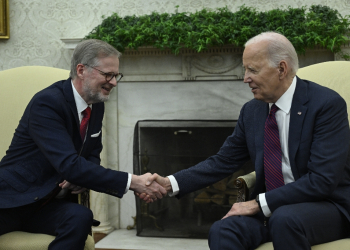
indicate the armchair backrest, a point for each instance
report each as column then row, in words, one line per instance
column 334, row 75
column 17, row 87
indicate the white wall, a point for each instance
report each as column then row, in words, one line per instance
column 36, row 26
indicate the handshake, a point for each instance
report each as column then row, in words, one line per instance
column 150, row 187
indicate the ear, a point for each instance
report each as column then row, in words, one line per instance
column 80, row 70
column 283, row 69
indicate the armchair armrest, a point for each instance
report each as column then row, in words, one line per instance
column 244, row 184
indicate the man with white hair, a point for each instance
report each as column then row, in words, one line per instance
column 296, row 133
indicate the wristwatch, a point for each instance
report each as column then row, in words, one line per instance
column 258, row 201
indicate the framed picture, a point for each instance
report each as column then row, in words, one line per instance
column 4, row 19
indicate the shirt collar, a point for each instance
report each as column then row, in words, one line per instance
column 284, row 103
column 79, row 101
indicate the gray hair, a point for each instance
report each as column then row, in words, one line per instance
column 90, row 52
column 279, row 48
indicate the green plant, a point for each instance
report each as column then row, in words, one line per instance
column 320, row 26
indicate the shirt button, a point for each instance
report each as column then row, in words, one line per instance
column 36, row 198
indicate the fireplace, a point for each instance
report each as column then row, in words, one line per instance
column 165, row 147
column 160, row 85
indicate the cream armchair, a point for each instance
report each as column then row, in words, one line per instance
column 336, row 76
column 17, row 87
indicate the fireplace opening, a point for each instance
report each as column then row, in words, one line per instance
column 165, row 147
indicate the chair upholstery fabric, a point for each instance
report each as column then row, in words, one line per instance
column 17, row 87
column 28, row 241
column 334, row 75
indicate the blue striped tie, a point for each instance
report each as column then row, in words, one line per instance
column 272, row 153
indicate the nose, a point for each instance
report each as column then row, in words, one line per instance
column 247, row 78
column 113, row 81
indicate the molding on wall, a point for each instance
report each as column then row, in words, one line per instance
column 70, row 43
column 153, row 51
column 222, row 63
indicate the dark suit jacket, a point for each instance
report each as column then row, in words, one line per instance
column 318, row 151
column 47, row 149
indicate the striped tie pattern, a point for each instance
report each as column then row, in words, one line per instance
column 84, row 122
column 272, row 152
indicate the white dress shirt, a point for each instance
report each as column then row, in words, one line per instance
column 284, row 104
column 79, row 102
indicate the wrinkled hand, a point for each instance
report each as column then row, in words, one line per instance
column 75, row 189
column 243, row 208
column 163, row 181
column 149, row 193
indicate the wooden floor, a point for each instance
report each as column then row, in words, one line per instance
column 98, row 237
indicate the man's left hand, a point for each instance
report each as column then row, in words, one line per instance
column 243, row 208
column 75, row 189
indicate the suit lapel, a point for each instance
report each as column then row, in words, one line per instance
column 259, row 120
column 68, row 93
column 297, row 115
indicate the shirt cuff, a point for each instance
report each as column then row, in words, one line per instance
column 174, row 186
column 264, row 207
column 128, row 183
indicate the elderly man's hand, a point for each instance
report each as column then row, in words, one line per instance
column 243, row 208
column 75, row 189
column 163, row 181
column 148, row 193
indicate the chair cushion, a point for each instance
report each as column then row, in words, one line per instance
column 343, row 244
column 334, row 75
column 18, row 85
column 28, row 241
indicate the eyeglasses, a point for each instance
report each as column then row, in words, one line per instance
column 109, row 76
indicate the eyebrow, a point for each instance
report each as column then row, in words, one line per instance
column 111, row 72
column 249, row 67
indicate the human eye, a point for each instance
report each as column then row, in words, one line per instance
column 109, row 75
column 252, row 70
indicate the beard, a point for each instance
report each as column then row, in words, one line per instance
column 94, row 95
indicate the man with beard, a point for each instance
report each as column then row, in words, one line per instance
column 56, row 148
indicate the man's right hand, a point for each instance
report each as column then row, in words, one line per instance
column 155, row 178
column 163, row 181
column 150, row 192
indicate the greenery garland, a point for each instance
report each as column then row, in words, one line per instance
column 320, row 26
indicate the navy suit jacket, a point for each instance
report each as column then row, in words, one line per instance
column 318, row 151
column 47, row 149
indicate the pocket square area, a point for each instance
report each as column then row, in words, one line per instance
column 96, row 135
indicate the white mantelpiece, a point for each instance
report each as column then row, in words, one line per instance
column 159, row 85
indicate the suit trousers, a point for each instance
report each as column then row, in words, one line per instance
column 69, row 222
column 296, row 226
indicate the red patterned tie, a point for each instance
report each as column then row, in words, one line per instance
column 272, row 152
column 84, row 122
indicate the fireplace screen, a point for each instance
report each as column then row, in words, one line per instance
column 165, row 147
